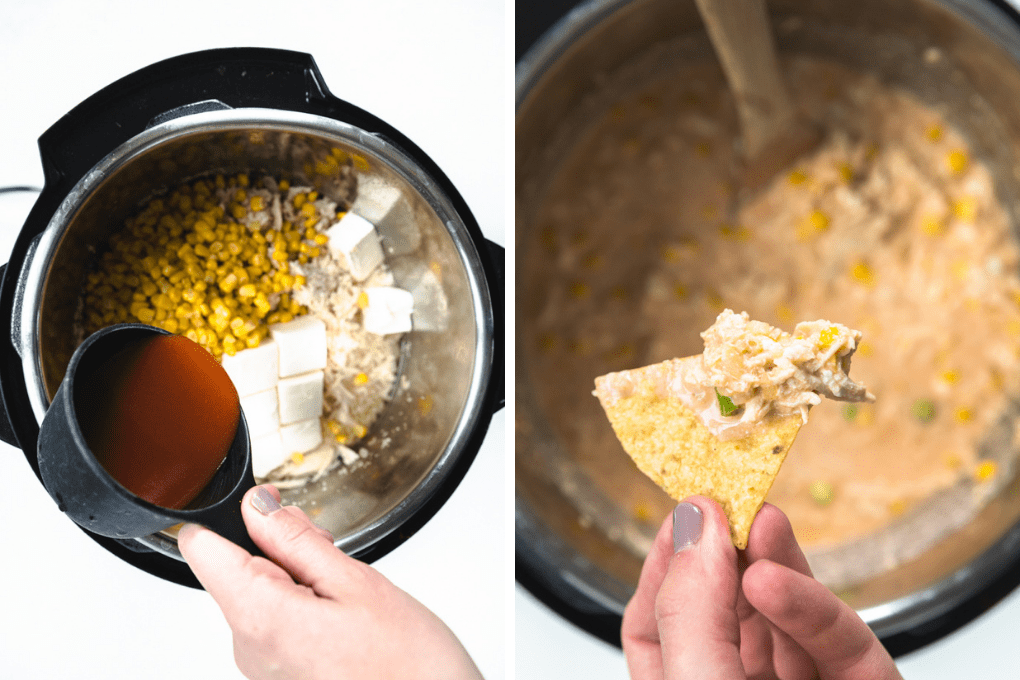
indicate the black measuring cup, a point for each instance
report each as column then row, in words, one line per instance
column 90, row 496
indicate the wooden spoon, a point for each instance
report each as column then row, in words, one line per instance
column 774, row 133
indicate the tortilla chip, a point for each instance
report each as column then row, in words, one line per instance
column 671, row 445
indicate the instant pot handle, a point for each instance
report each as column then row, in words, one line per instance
column 7, row 432
column 235, row 77
column 497, row 288
column 6, row 429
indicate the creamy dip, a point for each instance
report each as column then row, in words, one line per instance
column 892, row 226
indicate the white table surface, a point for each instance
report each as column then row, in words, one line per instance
column 549, row 647
column 436, row 71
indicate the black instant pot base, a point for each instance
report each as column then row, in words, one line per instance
column 595, row 620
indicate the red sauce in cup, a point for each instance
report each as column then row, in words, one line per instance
column 161, row 416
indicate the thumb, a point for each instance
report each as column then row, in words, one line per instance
column 696, row 606
column 289, row 537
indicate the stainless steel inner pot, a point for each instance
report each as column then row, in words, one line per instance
column 445, row 359
column 964, row 57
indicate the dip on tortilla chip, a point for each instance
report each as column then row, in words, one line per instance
column 719, row 424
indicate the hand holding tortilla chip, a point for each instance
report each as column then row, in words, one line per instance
column 719, row 424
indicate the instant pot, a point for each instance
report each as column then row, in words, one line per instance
column 266, row 111
column 581, row 568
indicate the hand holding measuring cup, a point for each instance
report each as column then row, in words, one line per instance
column 146, row 432
column 313, row 612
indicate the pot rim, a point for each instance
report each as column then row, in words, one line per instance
column 25, row 331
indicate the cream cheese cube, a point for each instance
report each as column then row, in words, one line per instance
column 388, row 310
column 384, row 206
column 301, row 436
column 300, row 397
column 267, row 453
column 301, row 345
column 262, row 412
column 356, row 240
column 255, row 369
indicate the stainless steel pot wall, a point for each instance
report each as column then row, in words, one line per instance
column 572, row 542
column 451, row 361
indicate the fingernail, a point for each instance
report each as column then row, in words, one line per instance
column 687, row 522
column 267, row 505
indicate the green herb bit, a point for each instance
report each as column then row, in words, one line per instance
column 924, row 410
column 726, row 405
column 822, row 492
column 850, row 412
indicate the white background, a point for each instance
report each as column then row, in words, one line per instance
column 437, row 72
column 548, row 647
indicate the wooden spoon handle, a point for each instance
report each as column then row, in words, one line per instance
column 742, row 37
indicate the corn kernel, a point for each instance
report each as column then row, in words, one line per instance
column 362, row 300
column 932, row 226
column 361, row 379
column 256, row 203
column 957, row 161
column 819, row 220
column 933, row 133
column 714, row 301
column 735, row 233
column 797, row 177
column 863, row 274
column 822, row 492
column 965, row 209
column 985, row 471
column 671, row 254
column 228, row 284
column 846, row 172
column 827, row 337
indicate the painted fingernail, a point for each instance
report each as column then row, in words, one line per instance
column 687, row 521
column 264, row 501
